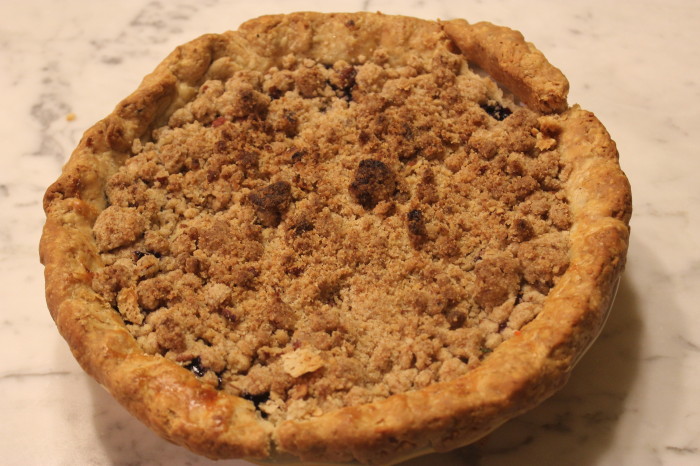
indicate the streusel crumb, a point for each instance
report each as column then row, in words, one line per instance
column 325, row 235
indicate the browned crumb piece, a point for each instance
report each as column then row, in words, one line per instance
column 497, row 279
column 327, row 234
column 373, row 182
column 271, row 202
column 416, row 227
column 117, row 226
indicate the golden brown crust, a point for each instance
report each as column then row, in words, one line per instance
column 513, row 62
column 519, row 374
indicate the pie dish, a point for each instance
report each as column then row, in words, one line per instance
column 337, row 238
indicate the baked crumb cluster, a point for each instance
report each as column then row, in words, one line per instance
column 324, row 235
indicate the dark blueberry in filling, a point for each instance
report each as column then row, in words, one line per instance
column 257, row 400
column 497, row 111
column 139, row 254
column 196, row 367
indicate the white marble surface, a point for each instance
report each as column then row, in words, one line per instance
column 635, row 397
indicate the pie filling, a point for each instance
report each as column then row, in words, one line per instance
column 321, row 235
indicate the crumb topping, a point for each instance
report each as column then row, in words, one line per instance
column 324, row 235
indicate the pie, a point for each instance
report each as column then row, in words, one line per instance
column 337, row 238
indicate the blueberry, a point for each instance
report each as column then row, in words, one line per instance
column 257, row 399
column 497, row 111
column 196, row 367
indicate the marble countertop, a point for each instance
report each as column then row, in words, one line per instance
column 634, row 398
